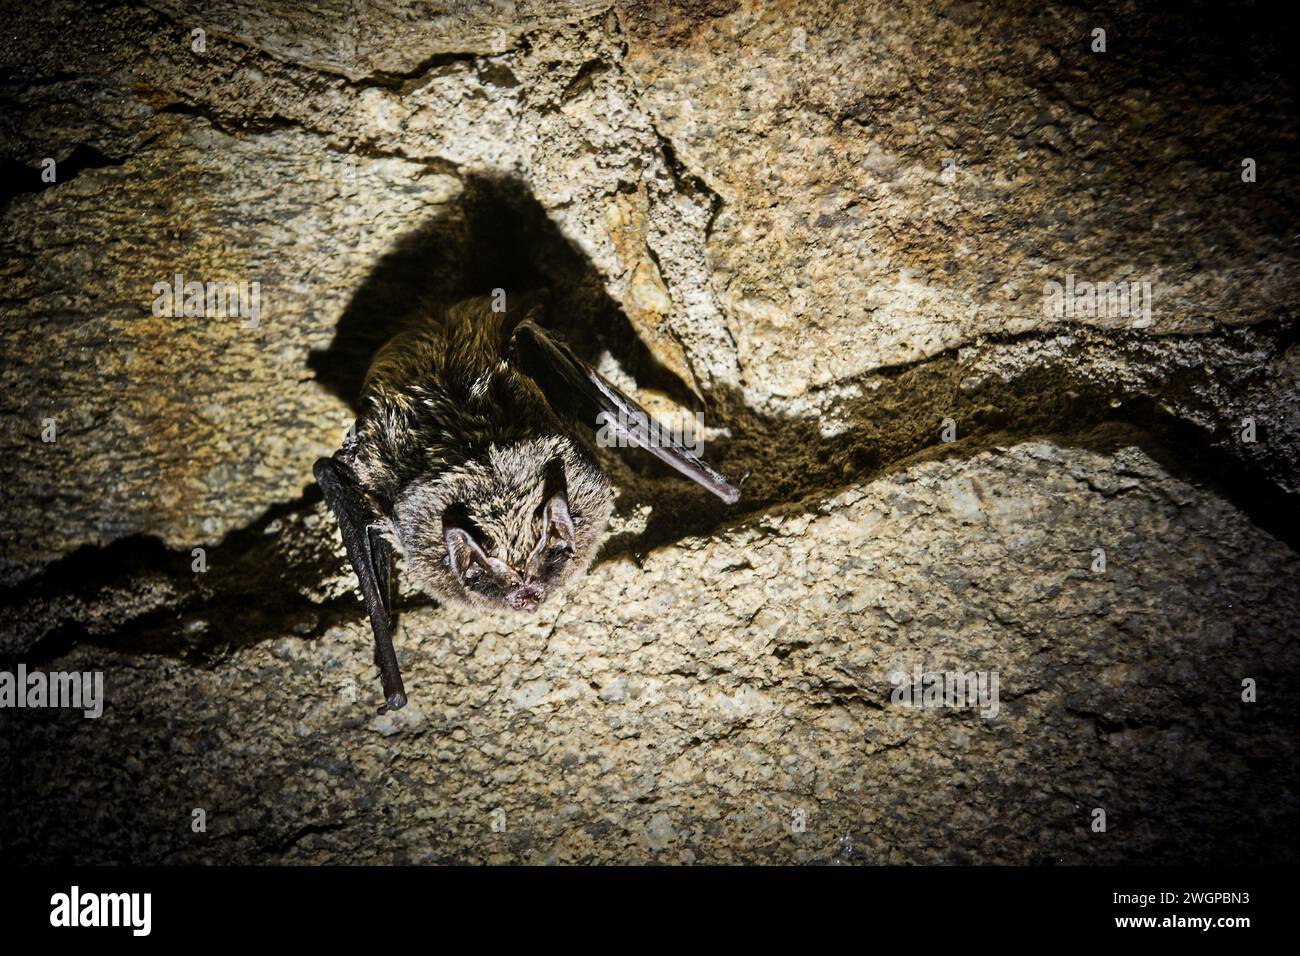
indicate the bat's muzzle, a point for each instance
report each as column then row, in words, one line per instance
column 526, row 597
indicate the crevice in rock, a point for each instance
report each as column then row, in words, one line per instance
column 251, row 569
column 17, row 178
column 233, row 125
column 403, row 81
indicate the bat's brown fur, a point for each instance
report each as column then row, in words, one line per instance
column 448, row 425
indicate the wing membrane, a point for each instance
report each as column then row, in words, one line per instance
column 372, row 559
column 575, row 388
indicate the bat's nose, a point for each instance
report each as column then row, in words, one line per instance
column 526, row 597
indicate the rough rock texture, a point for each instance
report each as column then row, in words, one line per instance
column 828, row 226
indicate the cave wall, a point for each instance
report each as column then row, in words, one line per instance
column 829, row 227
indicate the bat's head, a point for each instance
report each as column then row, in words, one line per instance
column 508, row 530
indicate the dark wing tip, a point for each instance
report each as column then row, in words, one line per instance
column 326, row 466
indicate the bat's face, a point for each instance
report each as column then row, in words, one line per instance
column 509, row 531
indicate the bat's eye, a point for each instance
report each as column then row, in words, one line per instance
column 557, row 554
column 480, row 581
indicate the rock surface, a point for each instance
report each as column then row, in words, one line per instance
column 828, row 227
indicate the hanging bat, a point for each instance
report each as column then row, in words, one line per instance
column 470, row 456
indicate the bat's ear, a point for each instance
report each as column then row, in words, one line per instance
column 462, row 550
column 556, row 506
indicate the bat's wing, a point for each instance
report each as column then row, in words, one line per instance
column 576, row 389
column 371, row 558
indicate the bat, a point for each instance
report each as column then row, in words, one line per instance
column 471, row 456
